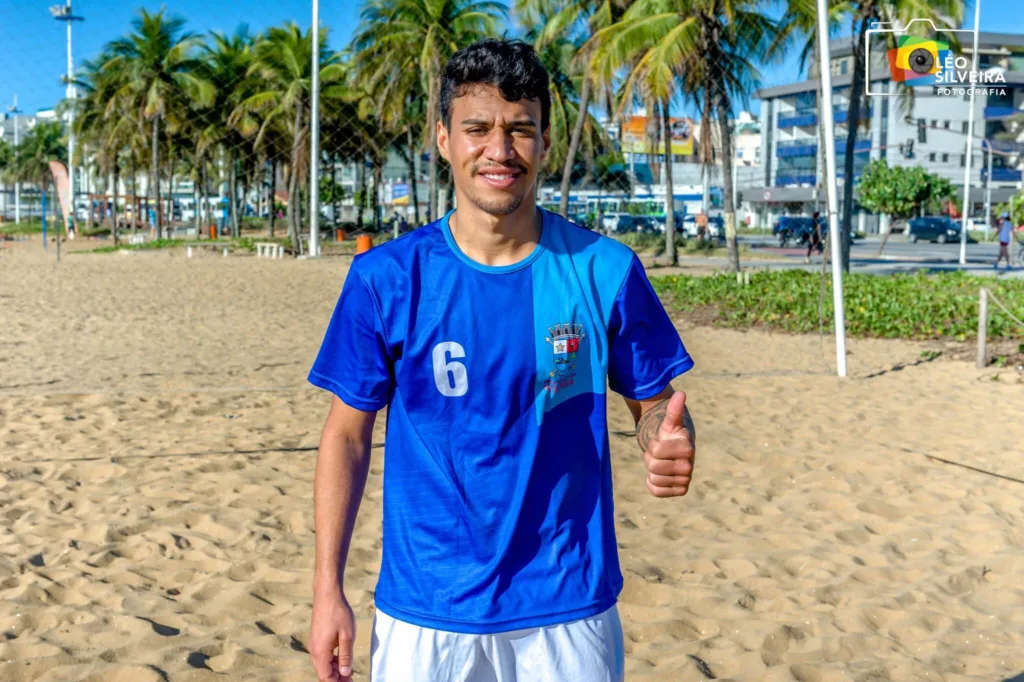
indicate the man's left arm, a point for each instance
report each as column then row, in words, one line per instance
column 666, row 434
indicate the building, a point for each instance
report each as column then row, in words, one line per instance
column 930, row 130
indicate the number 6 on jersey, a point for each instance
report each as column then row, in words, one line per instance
column 450, row 376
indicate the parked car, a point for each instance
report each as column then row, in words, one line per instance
column 581, row 219
column 610, row 221
column 934, row 229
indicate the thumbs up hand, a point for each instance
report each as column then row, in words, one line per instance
column 669, row 455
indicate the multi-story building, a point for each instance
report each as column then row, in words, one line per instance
column 929, row 129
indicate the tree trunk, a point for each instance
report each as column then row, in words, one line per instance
column 574, row 143
column 233, row 191
column 273, row 197
column 670, row 219
column 154, row 190
column 335, row 192
column 413, row 194
column 294, row 200
column 432, row 106
column 135, row 195
column 378, row 167
column 731, row 242
column 113, row 206
column 852, row 127
column 361, row 194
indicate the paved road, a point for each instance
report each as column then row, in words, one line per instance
column 899, row 256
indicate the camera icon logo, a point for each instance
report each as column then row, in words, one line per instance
column 917, row 61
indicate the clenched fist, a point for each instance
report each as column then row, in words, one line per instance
column 669, row 454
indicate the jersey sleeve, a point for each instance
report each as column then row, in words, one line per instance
column 354, row 363
column 645, row 351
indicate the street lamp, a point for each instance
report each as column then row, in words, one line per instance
column 63, row 13
column 314, row 142
column 14, row 111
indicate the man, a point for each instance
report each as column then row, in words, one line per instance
column 1005, row 235
column 702, row 225
column 491, row 335
column 814, row 239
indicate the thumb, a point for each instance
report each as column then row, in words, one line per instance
column 673, row 420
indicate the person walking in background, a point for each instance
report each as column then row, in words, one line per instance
column 814, row 239
column 702, row 225
column 1005, row 235
column 491, row 336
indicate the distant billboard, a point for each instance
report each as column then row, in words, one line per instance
column 634, row 136
column 400, row 194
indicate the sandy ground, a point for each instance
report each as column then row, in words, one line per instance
column 157, row 444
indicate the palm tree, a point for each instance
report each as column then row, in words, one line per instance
column 229, row 67
column 283, row 59
column 569, row 87
column 44, row 143
column 558, row 23
column 425, row 34
column 703, row 50
column 161, row 77
column 943, row 13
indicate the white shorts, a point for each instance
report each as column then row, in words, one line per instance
column 586, row 650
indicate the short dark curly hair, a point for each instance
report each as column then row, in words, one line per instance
column 511, row 66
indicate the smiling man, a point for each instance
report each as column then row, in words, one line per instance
column 492, row 336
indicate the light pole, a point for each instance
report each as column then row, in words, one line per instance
column 988, row 186
column 832, row 186
column 14, row 110
column 970, row 138
column 314, row 143
column 63, row 13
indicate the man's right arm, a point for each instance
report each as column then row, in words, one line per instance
column 342, row 465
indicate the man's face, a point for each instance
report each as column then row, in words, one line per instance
column 495, row 148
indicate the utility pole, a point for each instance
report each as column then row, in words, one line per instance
column 314, row 143
column 63, row 13
column 14, row 110
column 970, row 138
column 832, row 195
column 988, row 187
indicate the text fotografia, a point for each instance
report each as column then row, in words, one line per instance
column 966, row 92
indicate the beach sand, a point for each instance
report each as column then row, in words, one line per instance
column 157, row 446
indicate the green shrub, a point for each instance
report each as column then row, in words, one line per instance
column 918, row 306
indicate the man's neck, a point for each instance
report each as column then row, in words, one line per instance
column 496, row 240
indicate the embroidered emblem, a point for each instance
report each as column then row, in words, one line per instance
column 565, row 345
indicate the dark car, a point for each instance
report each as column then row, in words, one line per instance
column 934, row 229
column 794, row 229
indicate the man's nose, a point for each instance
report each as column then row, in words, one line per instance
column 499, row 146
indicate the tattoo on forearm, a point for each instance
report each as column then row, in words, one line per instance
column 650, row 422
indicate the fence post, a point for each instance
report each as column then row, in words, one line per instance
column 982, row 326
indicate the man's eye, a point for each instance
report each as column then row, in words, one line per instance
column 477, row 131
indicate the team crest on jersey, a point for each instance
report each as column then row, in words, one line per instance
column 565, row 344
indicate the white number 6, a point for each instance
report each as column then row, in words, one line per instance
column 450, row 377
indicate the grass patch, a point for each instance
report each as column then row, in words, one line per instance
column 27, row 226
column 918, row 306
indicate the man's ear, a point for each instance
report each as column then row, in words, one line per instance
column 442, row 141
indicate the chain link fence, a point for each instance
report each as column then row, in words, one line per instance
column 191, row 122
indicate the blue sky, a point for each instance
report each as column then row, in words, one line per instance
column 32, row 43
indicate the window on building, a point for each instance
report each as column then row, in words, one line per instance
column 843, row 67
column 963, row 160
column 945, row 124
column 945, row 158
column 935, row 123
column 964, row 128
column 931, row 157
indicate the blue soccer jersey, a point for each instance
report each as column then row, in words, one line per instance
column 497, row 472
